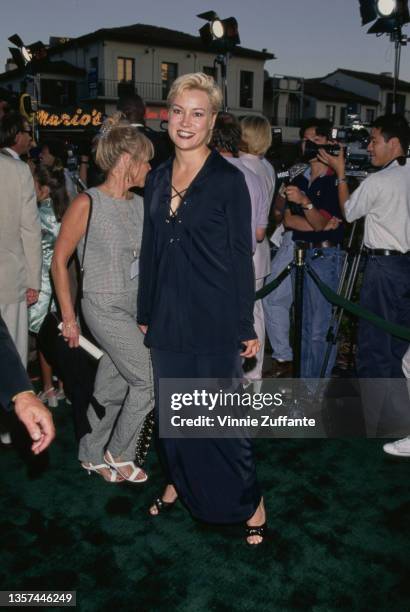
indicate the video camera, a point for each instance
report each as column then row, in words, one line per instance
column 357, row 162
column 312, row 150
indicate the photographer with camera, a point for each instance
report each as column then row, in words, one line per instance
column 313, row 213
column 383, row 199
column 277, row 304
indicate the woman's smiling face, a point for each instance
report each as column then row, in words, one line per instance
column 190, row 120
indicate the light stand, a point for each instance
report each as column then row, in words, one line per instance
column 25, row 58
column 221, row 36
column 399, row 42
column 390, row 17
column 222, row 61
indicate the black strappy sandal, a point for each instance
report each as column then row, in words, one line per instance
column 256, row 530
column 162, row 506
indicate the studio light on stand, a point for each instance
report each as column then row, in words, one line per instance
column 390, row 16
column 25, row 59
column 221, row 36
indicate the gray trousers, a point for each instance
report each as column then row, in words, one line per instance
column 124, row 384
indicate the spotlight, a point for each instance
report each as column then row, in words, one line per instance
column 217, row 28
column 389, row 15
column 23, row 55
column 25, row 52
column 386, row 8
column 220, row 35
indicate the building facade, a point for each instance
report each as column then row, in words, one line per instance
column 110, row 63
column 378, row 87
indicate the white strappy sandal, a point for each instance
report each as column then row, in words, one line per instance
column 115, row 477
column 117, row 466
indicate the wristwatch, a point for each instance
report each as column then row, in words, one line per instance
column 308, row 206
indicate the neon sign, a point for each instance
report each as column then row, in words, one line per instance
column 156, row 113
column 77, row 119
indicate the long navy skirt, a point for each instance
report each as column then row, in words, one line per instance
column 214, row 478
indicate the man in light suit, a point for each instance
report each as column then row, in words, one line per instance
column 20, row 248
column 20, row 252
column 16, row 135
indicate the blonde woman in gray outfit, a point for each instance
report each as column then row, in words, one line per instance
column 123, row 385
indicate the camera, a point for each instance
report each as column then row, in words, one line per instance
column 312, row 149
column 357, row 160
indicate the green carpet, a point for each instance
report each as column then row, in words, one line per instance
column 339, row 512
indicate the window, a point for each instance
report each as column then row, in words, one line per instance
column 370, row 112
column 169, row 72
column 343, row 115
column 293, row 110
column 93, row 76
column 125, row 69
column 94, row 64
column 330, row 112
column 58, row 93
column 400, row 104
column 210, row 71
column 246, row 89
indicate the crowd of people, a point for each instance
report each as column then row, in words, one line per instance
column 171, row 235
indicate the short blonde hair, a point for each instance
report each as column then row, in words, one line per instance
column 256, row 135
column 200, row 81
column 118, row 136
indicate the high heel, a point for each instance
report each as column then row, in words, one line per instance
column 162, row 506
column 256, row 530
column 117, row 466
column 115, row 477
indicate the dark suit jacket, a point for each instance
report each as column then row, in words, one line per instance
column 13, row 376
column 196, row 285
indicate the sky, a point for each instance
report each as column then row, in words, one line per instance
column 309, row 38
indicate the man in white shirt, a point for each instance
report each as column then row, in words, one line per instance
column 384, row 200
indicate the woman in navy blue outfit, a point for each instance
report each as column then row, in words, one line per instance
column 195, row 302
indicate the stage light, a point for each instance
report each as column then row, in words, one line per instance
column 27, row 55
column 220, row 35
column 389, row 15
column 386, row 8
column 217, row 28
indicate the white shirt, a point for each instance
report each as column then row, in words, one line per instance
column 384, row 200
column 260, row 211
column 262, row 168
column 12, row 153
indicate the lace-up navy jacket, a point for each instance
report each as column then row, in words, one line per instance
column 196, row 285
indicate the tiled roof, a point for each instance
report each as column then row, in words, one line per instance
column 323, row 91
column 382, row 80
column 46, row 67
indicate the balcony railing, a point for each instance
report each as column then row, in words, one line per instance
column 109, row 89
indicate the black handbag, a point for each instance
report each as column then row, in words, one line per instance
column 144, row 439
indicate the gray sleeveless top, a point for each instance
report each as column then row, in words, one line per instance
column 114, row 237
